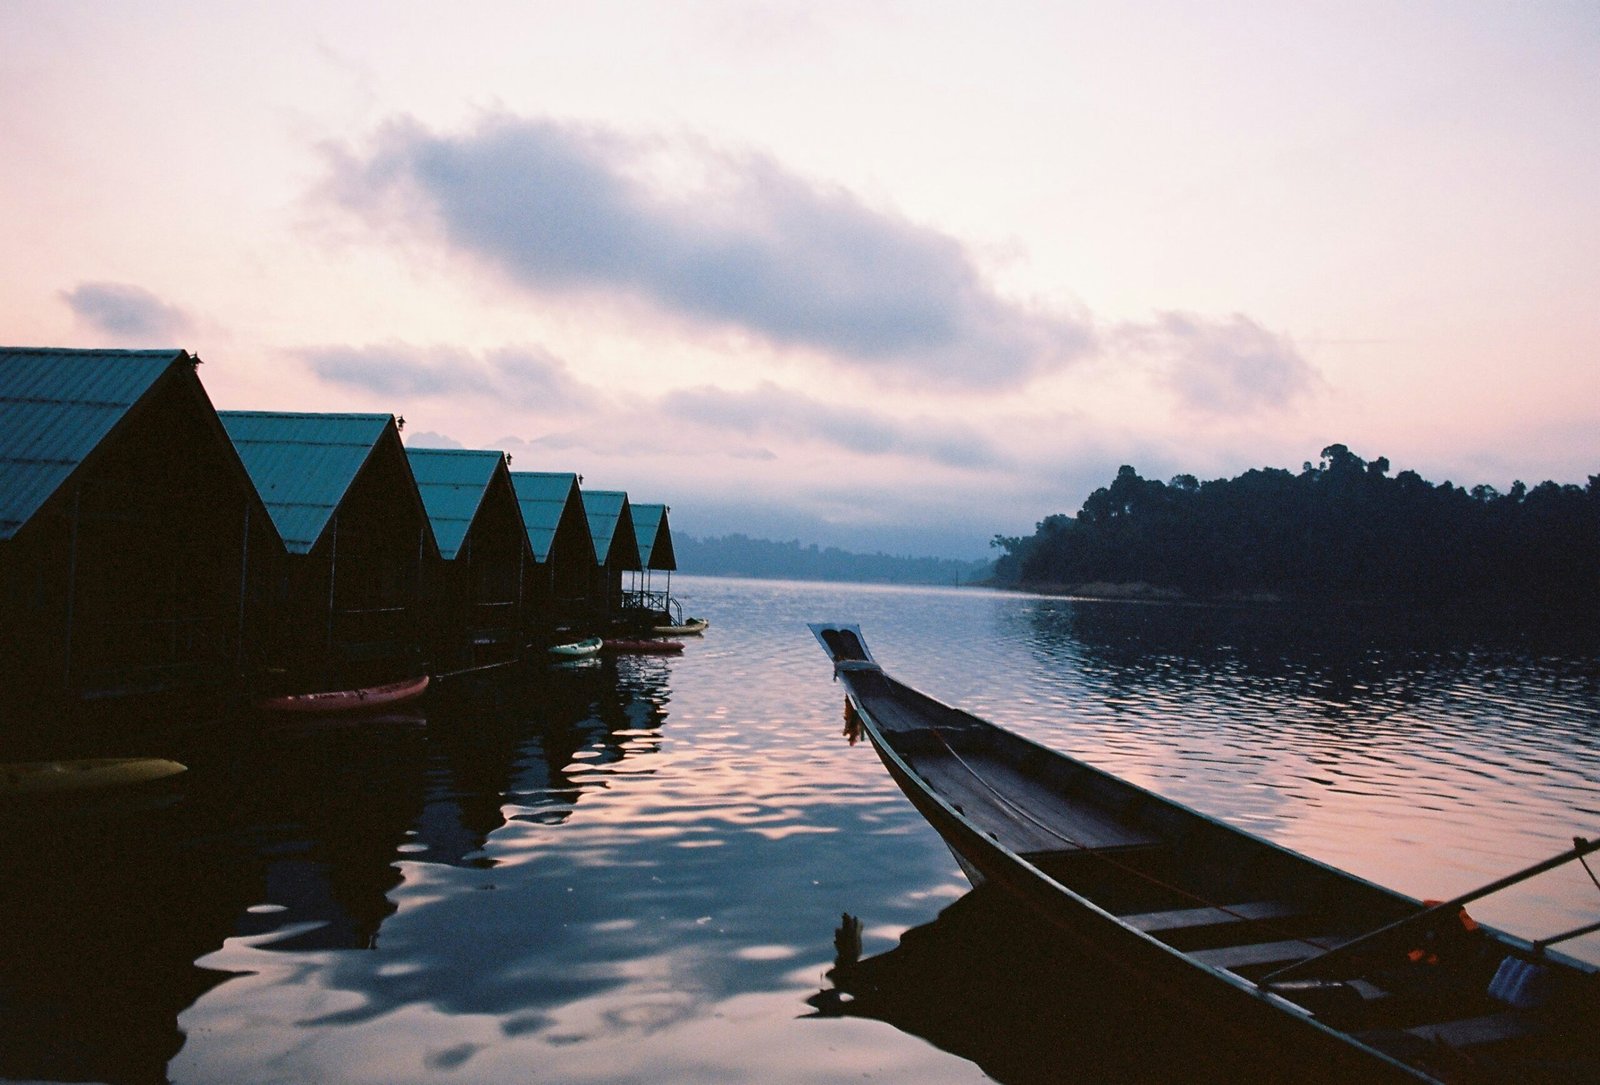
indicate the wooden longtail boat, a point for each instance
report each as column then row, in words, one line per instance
column 350, row 700
column 1345, row 979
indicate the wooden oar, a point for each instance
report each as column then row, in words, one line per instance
column 1580, row 848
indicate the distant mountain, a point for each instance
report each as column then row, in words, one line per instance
column 740, row 555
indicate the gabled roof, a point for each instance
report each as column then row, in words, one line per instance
column 56, row 407
column 611, row 525
column 453, row 482
column 303, row 464
column 655, row 537
column 544, row 496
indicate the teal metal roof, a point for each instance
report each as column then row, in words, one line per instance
column 56, row 407
column 611, row 526
column 452, row 482
column 303, row 464
column 543, row 496
column 655, row 537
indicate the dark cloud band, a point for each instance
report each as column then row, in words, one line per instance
column 127, row 312
column 749, row 245
column 560, row 207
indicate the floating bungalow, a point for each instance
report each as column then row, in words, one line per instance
column 134, row 552
column 616, row 549
column 558, row 533
column 352, row 596
column 477, row 601
column 150, row 544
column 651, row 528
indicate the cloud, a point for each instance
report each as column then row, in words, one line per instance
column 1221, row 366
column 718, row 239
column 126, row 312
column 522, row 377
column 790, row 416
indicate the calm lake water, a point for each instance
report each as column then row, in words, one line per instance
column 636, row 871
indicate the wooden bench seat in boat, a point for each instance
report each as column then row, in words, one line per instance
column 1252, row 954
column 1461, row 1034
column 1185, row 918
column 1347, row 999
column 1474, row 1031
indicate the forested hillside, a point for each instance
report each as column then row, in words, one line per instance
column 1341, row 528
column 740, row 555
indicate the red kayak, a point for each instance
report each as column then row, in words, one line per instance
column 656, row 647
column 349, row 700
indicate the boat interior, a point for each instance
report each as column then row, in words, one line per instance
column 1441, row 990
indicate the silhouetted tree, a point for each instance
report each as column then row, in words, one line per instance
column 1341, row 528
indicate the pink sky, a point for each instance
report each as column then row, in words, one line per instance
column 891, row 275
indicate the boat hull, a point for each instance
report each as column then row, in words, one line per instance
column 643, row 647
column 580, row 649
column 349, row 700
column 1238, row 1011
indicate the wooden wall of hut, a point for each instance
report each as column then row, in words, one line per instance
column 607, row 594
column 562, row 584
column 353, row 611
column 479, row 605
column 500, row 563
column 607, row 599
column 150, row 571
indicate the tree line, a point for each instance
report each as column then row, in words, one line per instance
column 1342, row 528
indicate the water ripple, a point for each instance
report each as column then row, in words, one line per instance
column 637, row 870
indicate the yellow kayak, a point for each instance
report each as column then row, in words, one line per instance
column 57, row 777
column 693, row 627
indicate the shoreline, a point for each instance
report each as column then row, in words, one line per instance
column 1502, row 612
column 1140, row 591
